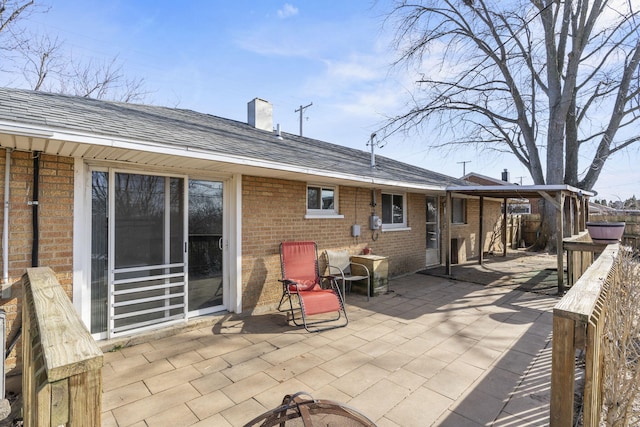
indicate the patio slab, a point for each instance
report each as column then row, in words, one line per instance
column 530, row 271
column 433, row 351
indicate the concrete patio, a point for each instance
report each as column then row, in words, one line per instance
column 433, row 351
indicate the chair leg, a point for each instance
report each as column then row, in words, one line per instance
column 291, row 315
column 284, row 295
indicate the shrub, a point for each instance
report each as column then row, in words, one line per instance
column 621, row 348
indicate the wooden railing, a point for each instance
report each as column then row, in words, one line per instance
column 580, row 255
column 62, row 373
column 578, row 321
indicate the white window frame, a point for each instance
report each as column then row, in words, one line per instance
column 322, row 213
column 395, row 226
column 232, row 223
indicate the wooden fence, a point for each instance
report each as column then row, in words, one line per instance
column 62, row 372
column 578, row 320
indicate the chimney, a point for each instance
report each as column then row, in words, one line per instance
column 260, row 114
column 505, row 176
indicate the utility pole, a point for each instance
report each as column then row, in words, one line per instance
column 301, row 110
column 520, row 178
column 464, row 168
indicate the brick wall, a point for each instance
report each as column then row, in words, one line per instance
column 55, row 211
column 469, row 233
column 274, row 211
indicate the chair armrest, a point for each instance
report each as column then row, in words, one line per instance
column 329, row 266
column 288, row 282
column 363, row 266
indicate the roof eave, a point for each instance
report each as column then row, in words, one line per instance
column 43, row 135
column 518, row 190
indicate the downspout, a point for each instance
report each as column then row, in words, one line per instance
column 6, row 289
column 34, row 205
column 36, row 234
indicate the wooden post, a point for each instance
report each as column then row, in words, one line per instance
column 481, row 230
column 504, row 228
column 563, row 372
column 447, row 237
column 559, row 237
column 585, row 212
column 593, row 372
column 62, row 380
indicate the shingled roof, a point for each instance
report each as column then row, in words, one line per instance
column 86, row 121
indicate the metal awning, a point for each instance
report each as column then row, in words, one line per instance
column 518, row 191
column 571, row 203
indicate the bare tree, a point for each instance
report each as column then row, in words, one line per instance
column 101, row 80
column 46, row 64
column 11, row 12
column 43, row 61
column 544, row 80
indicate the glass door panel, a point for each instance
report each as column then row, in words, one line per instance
column 147, row 285
column 99, row 251
column 205, row 246
column 433, row 235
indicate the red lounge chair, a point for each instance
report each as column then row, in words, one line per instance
column 301, row 280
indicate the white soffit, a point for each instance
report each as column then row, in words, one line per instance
column 92, row 147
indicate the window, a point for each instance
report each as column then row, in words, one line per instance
column 518, row 208
column 322, row 200
column 459, row 211
column 393, row 210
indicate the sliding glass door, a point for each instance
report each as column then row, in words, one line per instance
column 144, row 229
column 205, row 246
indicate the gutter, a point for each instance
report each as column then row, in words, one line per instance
column 86, row 139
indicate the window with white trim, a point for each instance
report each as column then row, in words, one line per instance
column 458, row 211
column 322, row 200
column 393, row 210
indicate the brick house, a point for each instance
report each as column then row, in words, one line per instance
column 191, row 207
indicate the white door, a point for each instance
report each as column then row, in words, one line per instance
column 433, row 231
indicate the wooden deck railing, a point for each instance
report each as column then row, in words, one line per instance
column 578, row 321
column 62, row 373
column 580, row 255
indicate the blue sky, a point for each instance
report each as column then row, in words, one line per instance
column 215, row 56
